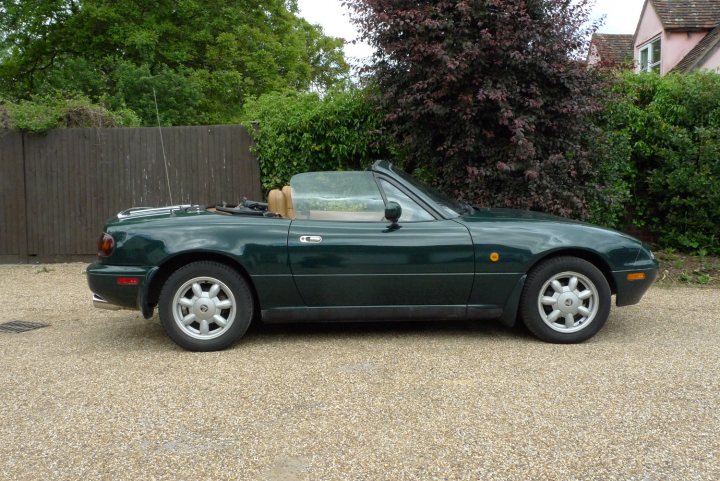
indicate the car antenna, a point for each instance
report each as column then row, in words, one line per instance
column 162, row 145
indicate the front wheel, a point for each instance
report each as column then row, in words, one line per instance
column 205, row 306
column 565, row 300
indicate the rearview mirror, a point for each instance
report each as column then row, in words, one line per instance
column 393, row 211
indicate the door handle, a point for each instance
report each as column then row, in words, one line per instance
column 310, row 239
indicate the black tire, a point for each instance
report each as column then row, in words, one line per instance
column 542, row 316
column 205, row 315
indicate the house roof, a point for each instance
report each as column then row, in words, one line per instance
column 614, row 49
column 687, row 15
column 699, row 52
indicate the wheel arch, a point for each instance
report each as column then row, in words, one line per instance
column 592, row 257
column 173, row 263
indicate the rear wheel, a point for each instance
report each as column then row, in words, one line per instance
column 205, row 306
column 565, row 300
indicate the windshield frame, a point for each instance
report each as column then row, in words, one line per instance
column 443, row 205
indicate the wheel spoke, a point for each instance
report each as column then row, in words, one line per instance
column 219, row 320
column 197, row 290
column 213, row 292
column 584, row 311
column 189, row 319
column 586, row 294
column 204, row 327
column 557, row 286
column 569, row 320
column 226, row 304
column 185, row 302
column 548, row 301
column 554, row 315
column 572, row 285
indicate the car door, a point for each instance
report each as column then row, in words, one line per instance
column 341, row 258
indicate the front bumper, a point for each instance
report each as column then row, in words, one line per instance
column 110, row 295
column 630, row 292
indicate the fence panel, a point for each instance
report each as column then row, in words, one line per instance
column 77, row 178
column 13, row 241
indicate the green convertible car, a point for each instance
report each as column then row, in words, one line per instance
column 359, row 246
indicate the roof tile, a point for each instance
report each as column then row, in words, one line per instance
column 688, row 15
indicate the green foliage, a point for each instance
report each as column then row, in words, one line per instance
column 204, row 59
column 299, row 132
column 608, row 204
column 44, row 113
column 667, row 132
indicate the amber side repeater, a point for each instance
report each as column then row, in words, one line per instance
column 636, row 276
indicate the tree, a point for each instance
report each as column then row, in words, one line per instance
column 488, row 95
column 203, row 58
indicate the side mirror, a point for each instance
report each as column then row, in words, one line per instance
column 393, row 211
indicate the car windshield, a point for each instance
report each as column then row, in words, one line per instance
column 449, row 205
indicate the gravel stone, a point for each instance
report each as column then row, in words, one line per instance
column 106, row 395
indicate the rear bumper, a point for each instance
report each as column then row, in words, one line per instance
column 630, row 292
column 110, row 295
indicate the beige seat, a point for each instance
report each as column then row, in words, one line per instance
column 277, row 202
column 280, row 202
column 287, row 190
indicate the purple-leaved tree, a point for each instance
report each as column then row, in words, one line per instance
column 489, row 95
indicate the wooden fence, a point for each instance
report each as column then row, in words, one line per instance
column 59, row 188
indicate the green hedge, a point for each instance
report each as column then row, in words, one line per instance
column 45, row 112
column 299, row 132
column 664, row 138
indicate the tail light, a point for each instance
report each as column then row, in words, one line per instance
column 106, row 244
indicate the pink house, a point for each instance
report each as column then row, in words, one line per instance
column 678, row 36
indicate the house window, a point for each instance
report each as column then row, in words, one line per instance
column 650, row 57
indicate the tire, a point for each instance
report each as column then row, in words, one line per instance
column 565, row 300
column 205, row 306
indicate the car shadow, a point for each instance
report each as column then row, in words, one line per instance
column 259, row 332
column 141, row 335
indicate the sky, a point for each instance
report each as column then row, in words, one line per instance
column 621, row 16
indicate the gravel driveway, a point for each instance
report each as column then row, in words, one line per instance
column 105, row 395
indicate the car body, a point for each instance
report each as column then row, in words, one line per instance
column 357, row 246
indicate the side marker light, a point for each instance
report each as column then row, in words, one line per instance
column 636, row 276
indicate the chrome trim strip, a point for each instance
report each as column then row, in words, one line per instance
column 149, row 211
